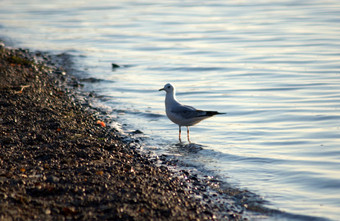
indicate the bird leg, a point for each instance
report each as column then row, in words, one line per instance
column 188, row 134
column 179, row 134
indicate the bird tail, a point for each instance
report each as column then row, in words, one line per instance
column 212, row 113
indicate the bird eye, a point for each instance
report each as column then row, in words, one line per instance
column 168, row 86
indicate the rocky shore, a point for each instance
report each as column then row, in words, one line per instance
column 59, row 161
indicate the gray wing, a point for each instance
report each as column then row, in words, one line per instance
column 188, row 112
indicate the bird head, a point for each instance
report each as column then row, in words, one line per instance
column 168, row 88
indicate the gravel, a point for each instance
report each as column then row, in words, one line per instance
column 60, row 161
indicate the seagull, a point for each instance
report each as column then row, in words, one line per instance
column 183, row 115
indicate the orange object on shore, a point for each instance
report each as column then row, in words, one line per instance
column 101, row 123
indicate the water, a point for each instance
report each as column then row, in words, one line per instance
column 273, row 66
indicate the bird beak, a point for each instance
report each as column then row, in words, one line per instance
column 162, row 89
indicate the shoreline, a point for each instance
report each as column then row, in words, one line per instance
column 60, row 161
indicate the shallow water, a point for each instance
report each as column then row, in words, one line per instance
column 273, row 66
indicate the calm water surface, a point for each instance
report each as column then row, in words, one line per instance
column 273, row 66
